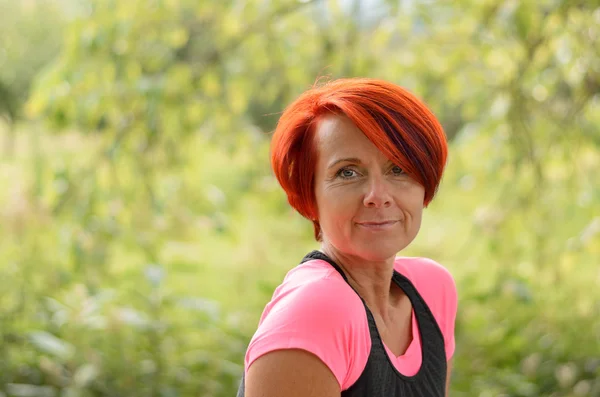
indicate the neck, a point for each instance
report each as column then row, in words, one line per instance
column 372, row 280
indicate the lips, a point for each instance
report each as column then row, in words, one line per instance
column 379, row 225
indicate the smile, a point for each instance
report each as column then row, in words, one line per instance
column 378, row 225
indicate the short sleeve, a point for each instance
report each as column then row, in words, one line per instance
column 438, row 288
column 447, row 316
column 321, row 316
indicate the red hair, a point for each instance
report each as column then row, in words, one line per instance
column 397, row 123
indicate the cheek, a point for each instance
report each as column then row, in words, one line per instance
column 412, row 201
column 333, row 206
column 418, row 215
column 335, row 210
column 416, row 197
column 417, row 208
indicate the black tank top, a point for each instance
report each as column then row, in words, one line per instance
column 380, row 378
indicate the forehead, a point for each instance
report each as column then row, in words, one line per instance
column 336, row 135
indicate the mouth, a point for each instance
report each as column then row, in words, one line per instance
column 378, row 225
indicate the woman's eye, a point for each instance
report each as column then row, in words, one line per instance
column 346, row 173
column 397, row 170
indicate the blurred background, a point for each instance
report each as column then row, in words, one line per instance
column 142, row 231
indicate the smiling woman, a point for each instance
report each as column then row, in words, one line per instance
column 366, row 204
column 391, row 118
column 360, row 158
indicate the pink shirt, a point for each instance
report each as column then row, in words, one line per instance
column 315, row 310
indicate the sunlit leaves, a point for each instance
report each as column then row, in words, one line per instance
column 163, row 190
column 52, row 345
column 26, row 46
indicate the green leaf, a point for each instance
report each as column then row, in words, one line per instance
column 52, row 345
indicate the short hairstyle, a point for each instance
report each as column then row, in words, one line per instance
column 397, row 123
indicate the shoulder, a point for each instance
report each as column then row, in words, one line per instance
column 437, row 287
column 314, row 310
column 426, row 274
column 311, row 289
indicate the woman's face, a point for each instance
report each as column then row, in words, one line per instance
column 367, row 206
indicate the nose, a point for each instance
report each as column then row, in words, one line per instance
column 377, row 194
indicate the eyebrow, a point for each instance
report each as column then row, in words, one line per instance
column 345, row 159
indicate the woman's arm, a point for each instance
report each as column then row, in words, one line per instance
column 290, row 373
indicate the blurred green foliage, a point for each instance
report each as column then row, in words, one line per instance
column 26, row 46
column 141, row 232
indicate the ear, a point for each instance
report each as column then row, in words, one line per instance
column 317, row 230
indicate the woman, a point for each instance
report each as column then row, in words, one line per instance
column 360, row 158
